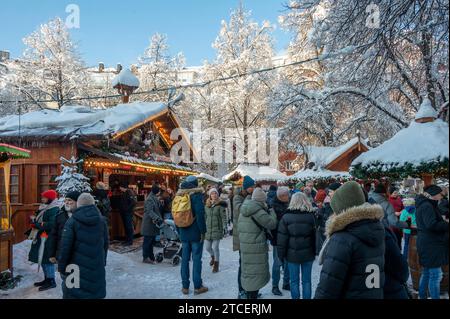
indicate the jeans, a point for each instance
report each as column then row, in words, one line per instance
column 49, row 270
column 406, row 245
column 194, row 248
column 294, row 273
column 127, row 220
column 212, row 247
column 430, row 280
column 277, row 264
column 147, row 247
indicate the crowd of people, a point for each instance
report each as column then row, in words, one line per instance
column 359, row 234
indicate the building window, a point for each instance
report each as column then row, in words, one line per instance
column 13, row 184
column 288, row 165
column 46, row 178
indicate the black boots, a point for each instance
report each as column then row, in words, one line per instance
column 40, row 283
column 276, row 291
column 286, row 287
column 49, row 284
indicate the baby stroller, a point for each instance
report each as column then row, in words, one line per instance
column 171, row 243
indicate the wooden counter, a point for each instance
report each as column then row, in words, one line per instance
column 6, row 249
column 116, row 229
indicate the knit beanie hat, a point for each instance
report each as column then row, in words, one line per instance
column 212, row 190
column 85, row 199
column 191, row 179
column 433, row 190
column 248, row 182
column 73, row 195
column 282, row 191
column 155, row 189
column 259, row 195
column 349, row 195
column 320, row 196
column 273, row 188
column 334, row 186
column 50, row 194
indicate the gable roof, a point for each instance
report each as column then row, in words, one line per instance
column 77, row 120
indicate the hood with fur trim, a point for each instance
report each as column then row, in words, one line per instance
column 362, row 221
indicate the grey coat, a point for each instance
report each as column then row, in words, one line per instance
column 152, row 215
column 390, row 219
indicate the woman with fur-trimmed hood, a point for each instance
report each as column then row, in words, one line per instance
column 353, row 254
column 216, row 224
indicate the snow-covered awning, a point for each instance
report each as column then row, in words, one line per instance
column 309, row 174
column 417, row 148
column 208, row 177
column 79, row 120
column 257, row 172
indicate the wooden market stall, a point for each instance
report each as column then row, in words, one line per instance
column 419, row 151
column 127, row 143
column 7, row 153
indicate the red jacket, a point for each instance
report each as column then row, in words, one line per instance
column 397, row 203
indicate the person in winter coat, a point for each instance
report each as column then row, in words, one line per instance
column 85, row 245
column 271, row 195
column 310, row 185
column 216, row 224
column 355, row 243
column 240, row 196
column 254, row 221
column 70, row 204
column 395, row 199
column 408, row 215
column 432, row 241
column 42, row 224
column 296, row 243
column 149, row 227
column 280, row 205
column 395, row 268
column 192, row 237
column 101, row 193
column 379, row 196
column 320, row 198
column 326, row 211
column 126, row 206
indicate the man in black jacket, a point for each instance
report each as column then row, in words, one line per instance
column 70, row 204
column 432, row 241
column 84, row 245
column 126, row 206
column 353, row 255
column 280, row 204
column 326, row 211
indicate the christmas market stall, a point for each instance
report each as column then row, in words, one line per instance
column 321, row 177
column 125, row 144
column 420, row 151
column 7, row 181
column 264, row 176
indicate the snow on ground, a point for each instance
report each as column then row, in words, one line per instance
column 128, row 278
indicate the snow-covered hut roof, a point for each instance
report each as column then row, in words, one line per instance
column 126, row 77
column 419, row 145
column 208, row 177
column 79, row 120
column 325, row 155
column 257, row 172
column 426, row 110
column 309, row 174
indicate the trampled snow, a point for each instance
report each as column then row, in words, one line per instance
column 420, row 142
column 128, row 278
column 80, row 120
column 257, row 172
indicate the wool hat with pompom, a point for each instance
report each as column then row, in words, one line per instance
column 259, row 195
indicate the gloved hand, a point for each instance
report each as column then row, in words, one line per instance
column 53, row 260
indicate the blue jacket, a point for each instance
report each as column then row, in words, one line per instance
column 193, row 232
column 85, row 244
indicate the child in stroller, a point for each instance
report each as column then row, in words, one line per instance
column 170, row 241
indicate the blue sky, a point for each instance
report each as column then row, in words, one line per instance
column 119, row 31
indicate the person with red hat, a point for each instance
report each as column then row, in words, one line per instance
column 41, row 226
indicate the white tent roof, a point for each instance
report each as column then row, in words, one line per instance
column 317, row 174
column 257, row 172
column 418, row 143
column 80, row 120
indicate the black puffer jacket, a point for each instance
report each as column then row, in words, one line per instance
column 85, row 244
column 56, row 233
column 395, row 268
column 296, row 237
column 432, row 234
column 356, row 240
column 280, row 209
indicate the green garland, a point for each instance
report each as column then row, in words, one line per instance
column 437, row 167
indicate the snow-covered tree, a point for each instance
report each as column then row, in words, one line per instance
column 50, row 68
column 158, row 70
column 365, row 78
column 70, row 180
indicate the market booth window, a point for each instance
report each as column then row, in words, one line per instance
column 47, row 175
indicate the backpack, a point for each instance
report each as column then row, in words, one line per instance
column 182, row 211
